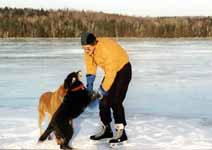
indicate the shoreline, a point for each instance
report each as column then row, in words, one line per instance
column 55, row 38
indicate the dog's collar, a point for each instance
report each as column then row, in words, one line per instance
column 80, row 87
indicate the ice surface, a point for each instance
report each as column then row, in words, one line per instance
column 168, row 105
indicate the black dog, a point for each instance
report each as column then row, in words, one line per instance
column 74, row 103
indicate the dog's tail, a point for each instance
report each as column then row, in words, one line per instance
column 42, row 108
column 47, row 132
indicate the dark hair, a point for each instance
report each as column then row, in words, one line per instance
column 88, row 38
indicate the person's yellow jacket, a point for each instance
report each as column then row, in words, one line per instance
column 110, row 56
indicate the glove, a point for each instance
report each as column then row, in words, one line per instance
column 98, row 94
column 90, row 80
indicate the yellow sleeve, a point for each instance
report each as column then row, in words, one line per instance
column 110, row 73
column 90, row 64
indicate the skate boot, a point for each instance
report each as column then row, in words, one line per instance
column 105, row 132
column 120, row 136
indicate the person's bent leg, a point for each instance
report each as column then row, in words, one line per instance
column 105, row 116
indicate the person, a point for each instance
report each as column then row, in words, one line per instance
column 112, row 58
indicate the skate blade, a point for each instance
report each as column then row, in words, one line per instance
column 99, row 141
column 116, row 145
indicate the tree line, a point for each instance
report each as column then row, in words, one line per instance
column 28, row 22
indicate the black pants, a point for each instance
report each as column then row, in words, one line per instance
column 116, row 96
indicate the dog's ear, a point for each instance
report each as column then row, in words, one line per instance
column 70, row 79
column 66, row 84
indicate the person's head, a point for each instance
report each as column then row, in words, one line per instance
column 88, row 42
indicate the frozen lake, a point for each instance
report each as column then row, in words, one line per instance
column 168, row 105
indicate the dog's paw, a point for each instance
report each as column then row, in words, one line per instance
column 39, row 142
column 65, row 147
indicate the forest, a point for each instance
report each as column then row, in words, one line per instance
column 27, row 22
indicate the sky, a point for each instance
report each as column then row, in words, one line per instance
column 126, row 7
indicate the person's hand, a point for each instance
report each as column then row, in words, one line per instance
column 99, row 94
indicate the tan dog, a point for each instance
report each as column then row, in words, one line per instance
column 49, row 102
